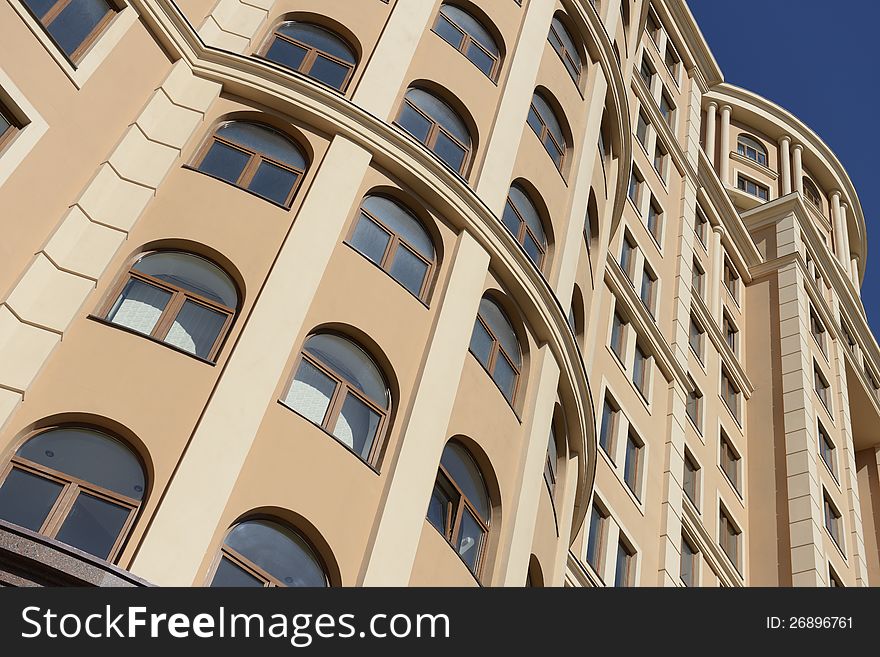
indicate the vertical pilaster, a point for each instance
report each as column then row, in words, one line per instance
column 724, row 167
column 711, row 119
column 785, row 163
column 717, row 281
column 797, row 167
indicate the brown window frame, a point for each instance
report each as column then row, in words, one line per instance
column 565, row 55
column 60, row 5
column 467, row 40
column 458, row 502
column 14, row 127
column 250, row 169
column 728, row 537
column 431, row 140
column 73, row 487
column 545, row 132
column 730, row 389
column 524, row 230
column 179, row 297
column 390, row 254
column 833, row 520
column 627, row 579
column 337, row 400
column 498, row 349
column 691, row 465
column 253, row 569
column 310, row 57
column 730, row 461
column 601, row 534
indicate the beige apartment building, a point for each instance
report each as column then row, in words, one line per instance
column 413, row 292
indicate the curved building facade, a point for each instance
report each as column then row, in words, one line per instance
column 421, row 293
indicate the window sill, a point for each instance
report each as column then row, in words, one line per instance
column 452, row 547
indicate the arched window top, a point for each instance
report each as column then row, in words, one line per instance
column 318, row 37
column 463, row 470
column 267, row 553
column 192, row 273
column 264, row 140
column 545, row 124
column 811, row 191
column 77, row 485
column 751, row 148
column 563, row 43
column 352, row 363
column 391, row 236
column 401, row 221
column 440, row 112
column 522, row 219
column 497, row 321
column 254, row 157
column 472, row 26
column 467, row 34
column 312, row 50
column 89, row 455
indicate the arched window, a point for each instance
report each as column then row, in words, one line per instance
column 313, row 51
column 76, row 485
column 551, row 464
column 74, row 25
column 522, row 220
column 389, row 235
column 495, row 345
column 751, row 148
column 812, row 193
column 459, row 506
column 544, row 123
column 340, row 388
column 178, row 298
column 437, row 126
column 266, row 553
column 564, row 45
column 256, row 158
column 466, row 34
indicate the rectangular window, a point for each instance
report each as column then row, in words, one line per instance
column 730, row 393
column 640, row 371
column 826, row 450
column 672, row 60
column 625, row 570
column 823, row 389
column 691, row 479
column 667, row 110
column 688, row 562
column 635, row 189
column 729, row 536
column 731, row 279
column 701, row 225
column 618, row 336
column 731, row 333
column 72, row 24
column 652, row 27
column 648, row 292
column 596, row 538
column 833, row 521
column 646, row 71
column 730, row 461
column 695, row 406
column 655, row 219
column 642, row 129
column 833, row 580
column 660, row 156
column 848, row 339
column 632, row 466
column 817, row 328
column 697, row 338
column 752, row 188
column 628, row 257
column 608, row 429
column 698, row 277
column 8, row 126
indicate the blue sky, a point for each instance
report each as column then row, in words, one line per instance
column 812, row 58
